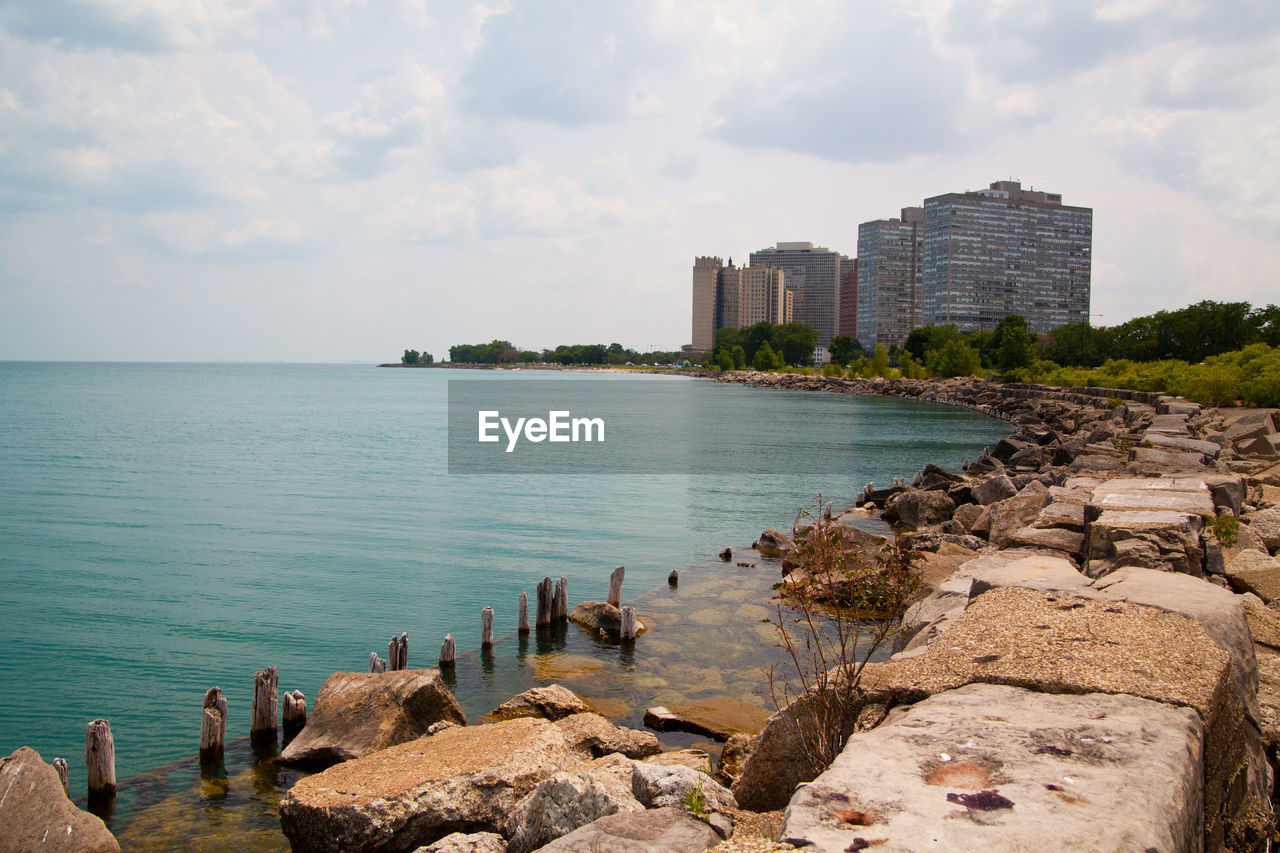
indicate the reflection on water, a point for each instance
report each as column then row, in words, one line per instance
column 709, row 636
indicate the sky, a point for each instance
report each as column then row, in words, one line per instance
column 337, row 180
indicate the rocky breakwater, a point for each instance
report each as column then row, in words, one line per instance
column 1095, row 663
column 541, row 773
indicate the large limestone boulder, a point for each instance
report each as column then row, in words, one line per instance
column 35, row 814
column 1163, row 540
column 994, row 489
column 357, row 713
column 666, row 830
column 592, row 736
column 475, row 842
column 917, row 509
column 1249, row 426
column 550, row 703
column 1265, row 524
column 657, row 785
column 568, row 800
column 1256, row 572
column 460, row 779
column 717, row 717
column 601, row 617
column 1012, row 514
column 996, row 768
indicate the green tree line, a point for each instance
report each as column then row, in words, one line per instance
column 503, row 352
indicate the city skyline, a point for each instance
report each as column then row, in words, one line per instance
column 334, row 182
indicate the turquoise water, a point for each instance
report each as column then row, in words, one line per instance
column 167, row 528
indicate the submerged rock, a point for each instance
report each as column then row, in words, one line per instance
column 601, row 616
column 552, row 702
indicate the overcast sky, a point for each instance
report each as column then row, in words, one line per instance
column 318, row 180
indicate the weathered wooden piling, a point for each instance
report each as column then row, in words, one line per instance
column 628, row 631
column 448, row 651
column 376, row 664
column 486, row 628
column 213, row 724
column 544, row 602
column 266, row 706
column 560, row 609
column 673, row 579
column 404, row 650
column 615, row 586
column 100, row 759
column 524, row 612
column 64, row 776
column 295, row 712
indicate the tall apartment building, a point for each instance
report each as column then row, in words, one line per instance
column 764, row 297
column 813, row 276
column 706, row 298
column 725, row 295
column 890, row 271
column 848, row 322
column 1005, row 250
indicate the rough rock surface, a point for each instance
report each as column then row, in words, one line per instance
column 568, row 800
column 656, row 786
column 35, row 814
column 461, row 779
column 667, row 830
column 695, row 759
column 1266, row 525
column 1012, row 514
column 591, row 736
column 357, row 713
column 1256, row 572
column 994, row 489
column 997, row 768
column 550, row 703
column 718, row 717
column 1164, row 540
column 917, row 509
column 476, row 842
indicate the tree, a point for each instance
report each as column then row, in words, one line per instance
column 426, row 358
column 1014, row 348
column 955, row 359
column 739, row 356
column 410, row 357
column 928, row 339
column 724, row 361
column 880, row 361
column 844, row 349
column 795, row 343
column 766, row 358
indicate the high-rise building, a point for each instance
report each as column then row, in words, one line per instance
column 848, row 324
column 706, row 292
column 890, row 268
column 813, row 277
column 729, row 304
column 764, row 297
column 1005, row 250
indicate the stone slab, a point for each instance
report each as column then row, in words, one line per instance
column 997, row 768
column 1185, row 445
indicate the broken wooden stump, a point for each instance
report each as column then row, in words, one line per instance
column 398, row 652
column 376, row 664
column 673, row 579
column 266, row 707
column 100, row 759
column 213, row 725
column 523, row 626
column 448, row 651
column 560, row 610
column 64, row 776
column 615, row 586
column 629, row 628
column 544, row 603
column 295, row 713
column 486, row 628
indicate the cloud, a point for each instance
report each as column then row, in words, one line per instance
column 205, row 238
column 392, row 115
column 557, row 61
column 863, row 88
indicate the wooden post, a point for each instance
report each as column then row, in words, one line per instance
column 447, row 651
column 266, row 707
column 60, row 764
column 560, row 611
column 673, row 579
column 295, row 712
column 100, row 759
column 524, row 611
column 615, row 586
column 544, row 602
column 213, row 725
column 628, row 623
column 376, row 664
column 393, row 654
column 486, row 628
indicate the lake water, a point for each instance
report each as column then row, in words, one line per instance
column 168, row 528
